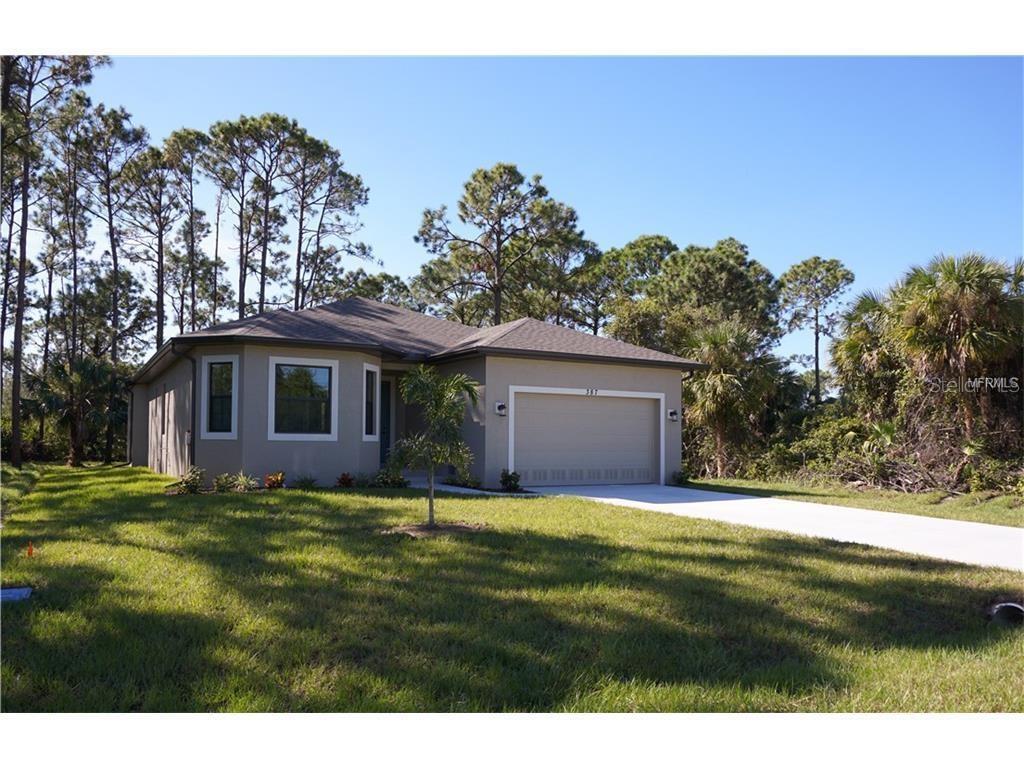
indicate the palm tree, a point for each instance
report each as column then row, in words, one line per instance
column 956, row 317
column 71, row 392
column 728, row 396
column 443, row 402
column 863, row 354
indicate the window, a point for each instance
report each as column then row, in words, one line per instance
column 302, row 399
column 219, row 397
column 371, row 396
column 219, row 409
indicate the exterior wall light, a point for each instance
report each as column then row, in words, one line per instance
column 501, row 409
column 673, row 414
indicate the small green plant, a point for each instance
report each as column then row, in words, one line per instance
column 679, row 477
column 190, row 482
column 510, row 481
column 243, row 483
column 362, row 480
column 390, row 476
column 273, row 480
column 304, row 483
column 463, row 480
column 224, row 483
column 345, row 480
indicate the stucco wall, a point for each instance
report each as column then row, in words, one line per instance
column 168, row 410
column 503, row 372
column 139, row 426
column 473, row 430
column 325, row 459
column 164, row 448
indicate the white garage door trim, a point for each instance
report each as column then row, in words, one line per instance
column 515, row 389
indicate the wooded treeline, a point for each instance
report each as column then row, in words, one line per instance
column 106, row 250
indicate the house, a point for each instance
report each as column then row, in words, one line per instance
column 315, row 392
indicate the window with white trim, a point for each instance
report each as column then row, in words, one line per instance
column 219, row 410
column 371, row 401
column 302, row 399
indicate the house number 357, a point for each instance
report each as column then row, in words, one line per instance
column 591, row 391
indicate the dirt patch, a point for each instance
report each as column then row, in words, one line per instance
column 424, row 531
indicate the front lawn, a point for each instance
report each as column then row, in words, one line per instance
column 293, row 600
column 988, row 507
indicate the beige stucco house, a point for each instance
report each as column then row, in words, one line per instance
column 315, row 392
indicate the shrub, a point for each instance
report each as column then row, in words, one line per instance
column 510, row 481
column 243, row 483
column 273, row 480
column 463, row 480
column 190, row 482
column 390, row 476
column 990, row 474
column 223, row 483
column 344, row 480
column 362, row 480
column 679, row 477
column 304, row 483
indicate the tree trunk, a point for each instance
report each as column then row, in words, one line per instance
column 263, row 250
column 720, row 458
column 115, row 321
column 817, row 365
column 298, row 247
column 430, row 496
column 73, row 228
column 159, row 286
column 48, row 314
column 243, row 256
column 19, row 306
column 192, row 250
column 497, row 303
column 216, row 258
column 8, row 268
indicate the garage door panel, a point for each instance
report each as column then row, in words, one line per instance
column 577, row 440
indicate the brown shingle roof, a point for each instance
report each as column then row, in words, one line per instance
column 528, row 336
column 353, row 321
column 409, row 335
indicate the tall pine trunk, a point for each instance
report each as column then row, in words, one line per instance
column 216, row 258
column 47, row 315
column 817, row 359
column 159, row 286
column 243, row 257
column 263, row 250
column 19, row 306
column 115, row 323
column 298, row 248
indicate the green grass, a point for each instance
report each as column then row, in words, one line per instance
column 994, row 508
column 14, row 484
column 293, row 600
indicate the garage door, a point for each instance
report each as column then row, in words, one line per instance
column 579, row 440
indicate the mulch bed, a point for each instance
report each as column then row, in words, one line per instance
column 424, row 531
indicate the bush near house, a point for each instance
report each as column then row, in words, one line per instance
column 510, row 481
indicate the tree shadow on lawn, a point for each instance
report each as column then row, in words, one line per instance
column 315, row 610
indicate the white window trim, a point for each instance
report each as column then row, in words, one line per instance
column 204, row 433
column 515, row 389
column 376, row 404
column 333, row 397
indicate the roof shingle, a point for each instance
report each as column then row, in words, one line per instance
column 410, row 335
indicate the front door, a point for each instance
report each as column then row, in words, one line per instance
column 385, row 420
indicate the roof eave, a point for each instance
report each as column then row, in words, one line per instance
column 199, row 340
column 679, row 365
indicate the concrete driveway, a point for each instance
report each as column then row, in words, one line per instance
column 975, row 543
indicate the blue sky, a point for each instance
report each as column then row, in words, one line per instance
column 881, row 163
